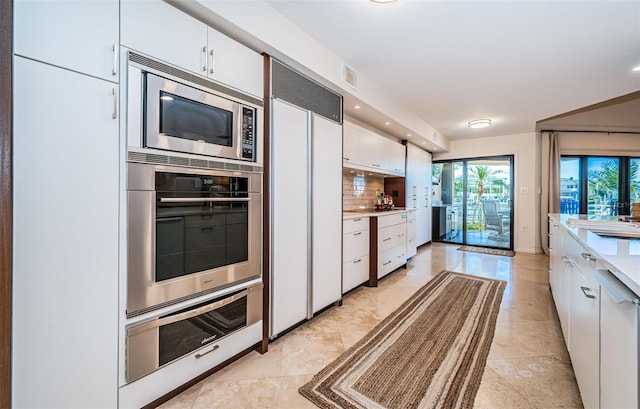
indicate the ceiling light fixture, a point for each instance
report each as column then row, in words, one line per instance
column 387, row 123
column 637, row 69
column 479, row 123
column 357, row 107
column 382, row 1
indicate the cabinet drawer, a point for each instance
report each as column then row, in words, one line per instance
column 391, row 219
column 351, row 225
column 391, row 259
column 354, row 273
column 582, row 259
column 355, row 245
column 392, row 236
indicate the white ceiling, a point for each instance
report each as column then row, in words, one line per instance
column 516, row 62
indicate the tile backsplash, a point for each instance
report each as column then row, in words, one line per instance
column 359, row 190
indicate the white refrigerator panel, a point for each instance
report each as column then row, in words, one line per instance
column 289, row 216
column 326, row 212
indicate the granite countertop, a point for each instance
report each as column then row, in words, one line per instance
column 620, row 256
column 352, row 214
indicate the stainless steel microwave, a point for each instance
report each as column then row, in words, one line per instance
column 177, row 111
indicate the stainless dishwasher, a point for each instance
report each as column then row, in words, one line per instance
column 618, row 343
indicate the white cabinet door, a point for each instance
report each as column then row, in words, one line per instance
column 619, row 344
column 584, row 341
column 289, row 217
column 163, row 32
column 233, row 64
column 372, row 150
column 423, row 225
column 65, row 260
column 350, row 145
column 77, row 35
column 327, row 212
column 396, row 157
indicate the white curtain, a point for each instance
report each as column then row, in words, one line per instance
column 550, row 192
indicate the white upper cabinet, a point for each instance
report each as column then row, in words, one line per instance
column 163, row 32
column 78, row 35
column 231, row 63
column 364, row 149
column 349, row 144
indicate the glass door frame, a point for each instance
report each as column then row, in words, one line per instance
column 465, row 184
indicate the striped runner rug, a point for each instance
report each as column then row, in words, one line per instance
column 430, row 353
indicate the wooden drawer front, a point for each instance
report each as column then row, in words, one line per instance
column 391, row 219
column 391, row 259
column 354, row 273
column 392, row 236
column 351, row 225
column 355, row 245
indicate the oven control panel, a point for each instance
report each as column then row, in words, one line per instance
column 248, row 135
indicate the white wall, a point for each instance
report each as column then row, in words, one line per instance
column 525, row 149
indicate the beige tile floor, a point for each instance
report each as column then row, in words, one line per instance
column 528, row 366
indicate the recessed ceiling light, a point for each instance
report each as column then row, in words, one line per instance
column 479, row 123
column 424, row 142
column 408, row 134
column 637, row 69
column 383, row 1
column 387, row 123
column 357, row 107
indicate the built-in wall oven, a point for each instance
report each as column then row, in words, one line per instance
column 190, row 231
column 157, row 342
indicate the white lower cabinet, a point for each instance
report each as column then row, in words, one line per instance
column 618, row 344
column 412, row 233
column 355, row 252
column 584, row 342
column 392, row 242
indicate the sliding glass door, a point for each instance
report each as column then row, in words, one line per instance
column 473, row 199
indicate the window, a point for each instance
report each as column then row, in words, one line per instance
column 598, row 185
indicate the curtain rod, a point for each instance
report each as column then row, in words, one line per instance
column 604, row 132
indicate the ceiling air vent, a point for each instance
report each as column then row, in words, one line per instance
column 349, row 76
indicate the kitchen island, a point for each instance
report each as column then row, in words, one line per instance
column 594, row 276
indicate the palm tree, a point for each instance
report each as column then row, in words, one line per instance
column 481, row 174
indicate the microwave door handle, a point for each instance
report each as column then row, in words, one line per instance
column 203, row 199
column 185, row 315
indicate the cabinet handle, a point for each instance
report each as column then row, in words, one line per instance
column 204, row 58
column 550, row 235
column 388, row 262
column 400, row 234
column 566, row 260
column 343, row 158
column 588, row 257
column 212, row 68
column 115, row 61
column 387, row 239
column 555, row 226
column 200, row 355
column 114, row 114
column 587, row 292
column 357, row 261
column 357, row 220
column 357, row 234
column 376, row 165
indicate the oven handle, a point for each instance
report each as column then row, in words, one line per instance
column 185, row 315
column 203, row 199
